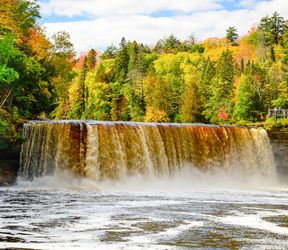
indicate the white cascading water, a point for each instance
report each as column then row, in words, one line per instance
column 103, row 151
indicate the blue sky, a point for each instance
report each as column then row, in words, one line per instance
column 99, row 23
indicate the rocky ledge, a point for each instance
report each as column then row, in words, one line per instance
column 279, row 143
column 9, row 164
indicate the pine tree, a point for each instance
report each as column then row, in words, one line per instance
column 91, row 59
column 121, row 62
column 232, row 35
column 220, row 100
column 171, row 44
column 82, row 87
column 110, row 53
column 272, row 28
column 79, row 102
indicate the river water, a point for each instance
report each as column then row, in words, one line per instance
column 199, row 211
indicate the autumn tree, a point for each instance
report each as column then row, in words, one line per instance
column 191, row 103
column 8, row 24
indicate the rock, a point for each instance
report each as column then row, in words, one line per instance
column 279, row 144
column 9, row 165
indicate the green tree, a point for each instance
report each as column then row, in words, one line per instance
column 91, row 59
column 104, row 71
column 110, row 53
column 276, row 75
column 220, row 103
column 135, row 77
column 190, row 110
column 62, row 43
column 98, row 104
column 208, row 72
column 282, row 99
column 60, row 64
column 79, row 102
column 121, row 62
column 248, row 99
column 8, row 52
column 232, row 35
column 168, row 45
column 171, row 44
column 170, row 75
column 272, row 28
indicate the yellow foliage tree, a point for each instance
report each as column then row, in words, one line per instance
column 156, row 115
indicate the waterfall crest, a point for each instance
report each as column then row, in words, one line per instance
column 110, row 150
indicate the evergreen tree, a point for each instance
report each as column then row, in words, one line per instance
column 91, row 59
column 79, row 102
column 272, row 28
column 121, row 62
column 171, row 44
column 159, row 47
column 285, row 58
column 272, row 54
column 82, row 87
column 133, row 50
column 232, row 35
column 110, row 53
column 207, row 73
column 219, row 105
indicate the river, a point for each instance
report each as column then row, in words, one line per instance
column 168, row 214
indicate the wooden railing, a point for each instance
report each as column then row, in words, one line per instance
column 278, row 113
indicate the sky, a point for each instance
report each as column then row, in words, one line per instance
column 100, row 23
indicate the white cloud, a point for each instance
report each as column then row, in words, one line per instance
column 102, row 8
column 103, row 30
column 267, row 7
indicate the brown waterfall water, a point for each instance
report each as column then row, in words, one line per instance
column 106, row 150
column 136, row 186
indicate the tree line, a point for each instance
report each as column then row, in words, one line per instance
column 220, row 80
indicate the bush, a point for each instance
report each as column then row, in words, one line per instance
column 274, row 123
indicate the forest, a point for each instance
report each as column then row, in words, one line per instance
column 226, row 80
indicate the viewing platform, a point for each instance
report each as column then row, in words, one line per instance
column 278, row 113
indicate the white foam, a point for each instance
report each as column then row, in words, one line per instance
column 254, row 221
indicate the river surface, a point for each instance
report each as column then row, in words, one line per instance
column 164, row 214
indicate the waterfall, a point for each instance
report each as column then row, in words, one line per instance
column 111, row 150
